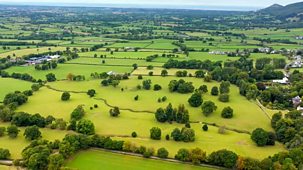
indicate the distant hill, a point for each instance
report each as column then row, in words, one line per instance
column 290, row 12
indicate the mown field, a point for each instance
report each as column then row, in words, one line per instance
column 64, row 69
column 97, row 159
column 11, row 85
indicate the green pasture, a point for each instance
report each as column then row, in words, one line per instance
column 10, row 85
column 116, row 61
column 243, row 113
column 141, row 121
column 23, row 52
column 16, row 145
column 64, row 69
column 97, row 159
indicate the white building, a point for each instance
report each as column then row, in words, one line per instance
column 281, row 81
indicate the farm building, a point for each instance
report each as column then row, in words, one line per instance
column 281, row 81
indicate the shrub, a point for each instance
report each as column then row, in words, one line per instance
column 4, row 153
column 227, row 112
column 114, row 112
column 136, row 97
column 91, row 92
column 65, row 96
column 134, row 134
column 224, row 97
column 140, row 77
column 208, row 107
column 223, row 158
column 85, row 127
column 32, row 133
column 155, row 133
column 205, row 127
column 12, row 131
column 183, row 155
column 157, row 87
column 195, row 100
column 214, row 91
column 260, row 136
column 78, row 113
column 162, row 153
column 2, row 131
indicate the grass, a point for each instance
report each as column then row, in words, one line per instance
column 64, row 69
column 117, row 61
column 158, row 70
column 141, row 122
column 10, row 85
column 122, row 55
column 16, row 145
column 97, row 159
column 23, row 52
column 148, row 100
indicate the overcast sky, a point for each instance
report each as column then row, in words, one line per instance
column 258, row 3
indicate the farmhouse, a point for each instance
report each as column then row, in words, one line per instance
column 299, row 38
column 297, row 63
column 39, row 60
column 111, row 73
column 217, row 52
column 265, row 50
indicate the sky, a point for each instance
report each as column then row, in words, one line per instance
column 246, row 3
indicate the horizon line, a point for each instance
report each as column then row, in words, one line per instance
column 138, row 6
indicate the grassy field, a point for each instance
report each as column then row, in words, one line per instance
column 117, row 61
column 16, row 145
column 96, row 159
column 23, row 52
column 10, row 85
column 142, row 121
column 242, row 117
column 123, row 55
column 64, row 69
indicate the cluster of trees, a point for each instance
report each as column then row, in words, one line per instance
column 12, row 131
column 208, row 107
column 72, row 77
column 42, row 154
column 15, row 99
column 195, row 99
column 288, row 129
column 46, row 66
column 181, row 73
column 192, row 64
column 20, row 76
column 107, row 82
column 180, row 86
column 151, row 57
column 96, row 47
column 262, row 137
column 185, row 134
column 170, row 114
column 114, row 112
column 65, row 96
column 4, row 154
column 224, row 91
column 223, row 158
column 50, row 77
